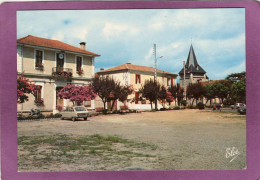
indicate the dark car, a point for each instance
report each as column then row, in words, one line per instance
column 242, row 110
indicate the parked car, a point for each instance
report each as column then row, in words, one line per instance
column 242, row 110
column 237, row 105
column 74, row 113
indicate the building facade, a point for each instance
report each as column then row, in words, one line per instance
column 51, row 65
column 136, row 75
column 193, row 72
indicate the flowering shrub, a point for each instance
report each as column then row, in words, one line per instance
column 61, row 73
column 80, row 71
column 169, row 97
column 77, row 94
column 24, row 87
column 39, row 101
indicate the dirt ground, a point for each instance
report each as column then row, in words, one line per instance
column 186, row 139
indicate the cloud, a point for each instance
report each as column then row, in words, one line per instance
column 218, row 35
column 235, row 69
column 112, row 31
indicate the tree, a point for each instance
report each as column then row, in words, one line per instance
column 222, row 89
column 106, row 88
column 115, row 92
column 234, row 77
column 195, row 91
column 24, row 87
column 163, row 95
column 124, row 92
column 238, row 91
column 210, row 93
column 169, row 97
column 173, row 90
column 177, row 93
column 77, row 94
column 150, row 91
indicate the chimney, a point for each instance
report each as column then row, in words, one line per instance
column 83, row 45
column 102, row 69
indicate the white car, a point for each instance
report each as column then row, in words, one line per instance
column 74, row 113
column 238, row 105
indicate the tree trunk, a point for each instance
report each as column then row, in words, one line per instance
column 151, row 105
column 104, row 102
column 113, row 102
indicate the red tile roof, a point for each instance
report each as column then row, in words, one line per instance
column 37, row 41
column 129, row 66
column 212, row 82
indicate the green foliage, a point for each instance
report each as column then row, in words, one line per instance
column 177, row 93
column 105, row 111
column 200, row 105
column 57, row 115
column 150, row 90
column 176, row 108
column 191, row 107
column 183, row 102
column 163, row 94
column 196, row 91
column 238, row 91
column 234, row 77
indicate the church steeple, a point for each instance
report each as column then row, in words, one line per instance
column 192, row 65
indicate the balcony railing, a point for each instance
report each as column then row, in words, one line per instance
column 63, row 74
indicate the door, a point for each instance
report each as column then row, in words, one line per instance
column 136, row 97
column 59, row 100
column 60, row 60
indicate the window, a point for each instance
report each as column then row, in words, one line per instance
column 169, row 81
column 137, row 79
column 38, row 58
column 87, row 103
column 38, row 94
column 79, row 63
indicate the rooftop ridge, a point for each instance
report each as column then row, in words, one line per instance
column 52, row 43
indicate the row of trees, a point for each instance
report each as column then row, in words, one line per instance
column 229, row 91
column 154, row 91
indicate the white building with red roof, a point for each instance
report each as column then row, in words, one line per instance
column 136, row 75
column 41, row 60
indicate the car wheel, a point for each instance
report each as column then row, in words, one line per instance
column 62, row 118
column 85, row 118
column 73, row 119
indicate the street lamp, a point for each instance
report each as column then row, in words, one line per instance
column 155, row 72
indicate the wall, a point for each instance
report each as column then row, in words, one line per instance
column 49, row 61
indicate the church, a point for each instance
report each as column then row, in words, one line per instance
column 193, row 72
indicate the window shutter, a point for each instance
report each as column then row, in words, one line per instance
column 171, row 81
column 139, row 78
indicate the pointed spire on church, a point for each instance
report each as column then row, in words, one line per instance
column 192, row 60
column 192, row 65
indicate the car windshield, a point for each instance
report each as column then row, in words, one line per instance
column 80, row 109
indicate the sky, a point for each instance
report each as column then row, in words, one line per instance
column 128, row 36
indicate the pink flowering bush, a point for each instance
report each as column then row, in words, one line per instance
column 169, row 97
column 77, row 94
column 24, row 87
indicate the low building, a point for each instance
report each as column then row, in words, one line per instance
column 136, row 75
column 51, row 65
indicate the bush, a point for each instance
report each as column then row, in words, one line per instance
column 176, row 108
column 40, row 116
column 200, row 105
column 191, row 107
column 183, row 102
column 105, row 111
column 57, row 115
